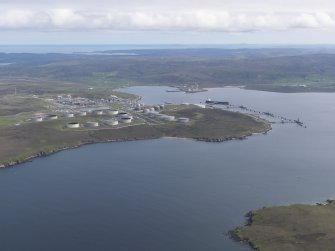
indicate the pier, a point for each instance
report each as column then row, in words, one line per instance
column 273, row 118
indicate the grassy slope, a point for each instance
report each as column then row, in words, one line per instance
column 292, row 228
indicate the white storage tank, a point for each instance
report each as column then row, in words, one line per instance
column 146, row 110
column 169, row 118
column 98, row 112
column 91, row 124
column 126, row 116
column 72, row 125
column 112, row 122
column 82, row 114
column 37, row 119
column 112, row 112
column 69, row 115
column 152, row 109
column 126, row 120
column 51, row 117
column 183, row 120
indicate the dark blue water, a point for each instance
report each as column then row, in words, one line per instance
column 170, row 194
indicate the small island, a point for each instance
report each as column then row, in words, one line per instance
column 290, row 228
column 33, row 126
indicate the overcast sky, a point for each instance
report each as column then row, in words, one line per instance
column 173, row 21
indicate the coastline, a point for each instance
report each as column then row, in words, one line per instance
column 21, row 144
column 60, row 149
column 297, row 227
column 57, row 150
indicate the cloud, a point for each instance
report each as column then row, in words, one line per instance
column 188, row 20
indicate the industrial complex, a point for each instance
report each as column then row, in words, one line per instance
column 115, row 112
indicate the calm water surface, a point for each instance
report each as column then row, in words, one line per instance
column 170, row 194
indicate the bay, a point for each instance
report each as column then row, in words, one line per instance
column 171, row 194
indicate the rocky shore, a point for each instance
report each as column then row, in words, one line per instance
column 295, row 227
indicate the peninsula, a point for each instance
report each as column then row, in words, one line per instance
column 291, row 228
column 34, row 126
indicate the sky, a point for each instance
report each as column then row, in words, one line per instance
column 167, row 22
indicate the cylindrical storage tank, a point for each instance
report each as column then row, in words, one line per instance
column 69, row 115
column 72, row 125
column 183, row 120
column 146, row 110
column 126, row 120
column 37, row 119
column 123, row 114
column 126, row 116
column 159, row 115
column 169, row 118
column 98, row 112
column 112, row 112
column 91, row 124
column 152, row 109
column 153, row 114
column 82, row 114
column 112, row 122
column 51, row 117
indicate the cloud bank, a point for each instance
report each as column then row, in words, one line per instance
column 191, row 20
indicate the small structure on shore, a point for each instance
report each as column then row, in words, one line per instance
column 73, row 125
column 212, row 102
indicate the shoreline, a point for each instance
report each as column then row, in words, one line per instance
column 57, row 150
column 262, row 230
